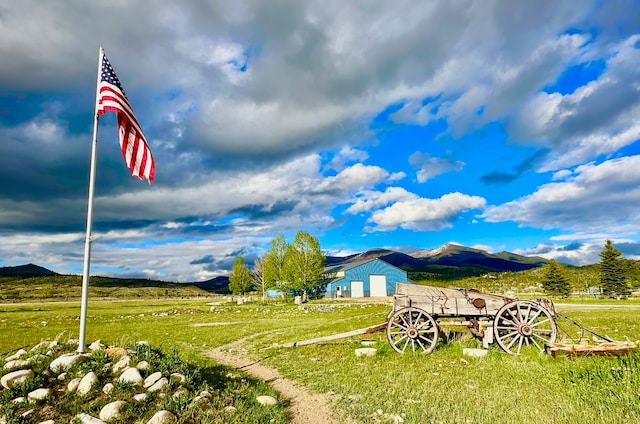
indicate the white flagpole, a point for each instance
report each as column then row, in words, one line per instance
column 92, row 183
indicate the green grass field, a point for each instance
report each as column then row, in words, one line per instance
column 443, row 386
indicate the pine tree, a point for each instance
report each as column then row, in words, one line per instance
column 554, row 282
column 613, row 272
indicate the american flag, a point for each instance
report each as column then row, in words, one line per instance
column 134, row 146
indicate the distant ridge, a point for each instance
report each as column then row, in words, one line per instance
column 450, row 255
column 29, row 270
column 218, row 285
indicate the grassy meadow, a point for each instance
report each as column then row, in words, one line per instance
column 442, row 387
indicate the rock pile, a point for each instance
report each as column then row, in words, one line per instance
column 109, row 380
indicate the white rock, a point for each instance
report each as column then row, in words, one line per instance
column 121, row 365
column 108, row 388
column 181, row 392
column 16, row 377
column 39, row 394
column 18, row 400
column 267, row 400
column 15, row 356
column 131, row 375
column 87, row 383
column 62, row 376
column 159, row 385
column 476, row 353
column 65, row 362
column 47, row 422
column 73, row 385
column 140, row 397
column 97, row 345
column 163, row 417
column 177, row 378
column 143, row 365
column 366, row 351
column 15, row 364
column 111, row 410
column 230, row 408
column 152, row 379
column 88, row 419
column 27, row 413
column 142, row 342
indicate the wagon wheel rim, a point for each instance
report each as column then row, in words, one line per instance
column 521, row 324
column 413, row 329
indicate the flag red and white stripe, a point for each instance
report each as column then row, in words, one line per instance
column 135, row 148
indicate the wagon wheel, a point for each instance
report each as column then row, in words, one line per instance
column 414, row 328
column 523, row 323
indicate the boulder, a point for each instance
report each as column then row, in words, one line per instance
column 39, row 394
column 88, row 419
column 111, row 410
column 152, row 379
column 97, row 345
column 87, row 383
column 366, row 351
column 140, row 397
column 131, row 375
column 108, row 388
column 113, row 352
column 267, row 400
column 121, row 365
column 143, row 365
column 16, row 364
column 73, row 385
column 177, row 378
column 16, row 377
column 473, row 352
column 163, row 417
column 159, row 385
column 65, row 362
column 15, row 356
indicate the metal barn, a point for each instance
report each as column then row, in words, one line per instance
column 370, row 278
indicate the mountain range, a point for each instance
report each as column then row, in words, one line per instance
column 449, row 255
column 464, row 260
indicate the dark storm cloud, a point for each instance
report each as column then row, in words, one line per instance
column 525, row 166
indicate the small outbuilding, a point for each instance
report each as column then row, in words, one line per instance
column 370, row 278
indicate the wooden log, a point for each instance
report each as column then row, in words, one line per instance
column 368, row 330
column 600, row 349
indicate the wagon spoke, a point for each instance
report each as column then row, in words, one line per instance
column 540, row 322
column 535, row 316
column 533, row 341
column 515, row 339
column 404, row 346
column 520, row 344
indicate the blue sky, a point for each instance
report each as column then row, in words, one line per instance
column 498, row 125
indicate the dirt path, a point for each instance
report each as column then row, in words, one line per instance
column 304, row 407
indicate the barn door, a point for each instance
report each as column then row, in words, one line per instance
column 357, row 288
column 378, row 285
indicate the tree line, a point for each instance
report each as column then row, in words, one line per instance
column 613, row 269
column 287, row 267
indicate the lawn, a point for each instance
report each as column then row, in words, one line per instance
column 444, row 386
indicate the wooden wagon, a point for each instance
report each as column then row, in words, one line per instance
column 419, row 312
